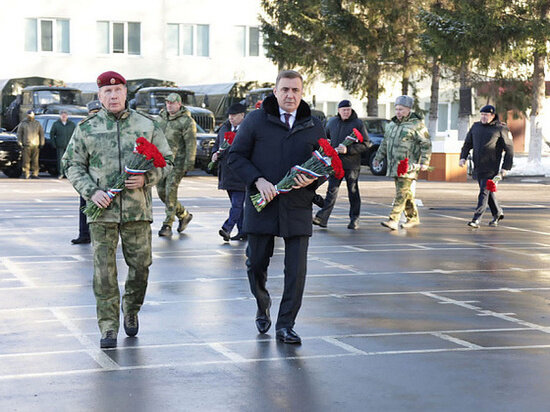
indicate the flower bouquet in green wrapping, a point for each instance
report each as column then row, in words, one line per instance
column 354, row 137
column 228, row 138
column 145, row 156
column 323, row 162
column 491, row 185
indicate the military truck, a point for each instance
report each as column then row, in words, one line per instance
column 151, row 100
column 10, row 97
column 218, row 97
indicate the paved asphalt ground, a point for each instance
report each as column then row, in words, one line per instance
column 440, row 317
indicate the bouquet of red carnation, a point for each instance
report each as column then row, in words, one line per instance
column 228, row 138
column 354, row 137
column 323, row 162
column 492, row 183
column 403, row 167
column 145, row 157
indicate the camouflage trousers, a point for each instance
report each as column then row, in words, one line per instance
column 30, row 160
column 136, row 248
column 167, row 189
column 404, row 200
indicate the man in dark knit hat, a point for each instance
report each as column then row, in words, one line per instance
column 227, row 179
column 488, row 138
column 101, row 146
column 338, row 128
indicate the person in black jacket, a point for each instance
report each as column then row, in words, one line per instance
column 488, row 138
column 270, row 141
column 227, row 179
column 338, row 128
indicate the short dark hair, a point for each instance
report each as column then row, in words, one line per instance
column 288, row 74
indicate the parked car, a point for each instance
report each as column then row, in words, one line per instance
column 375, row 127
column 10, row 154
column 205, row 142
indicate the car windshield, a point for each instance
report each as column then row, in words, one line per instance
column 45, row 97
column 377, row 126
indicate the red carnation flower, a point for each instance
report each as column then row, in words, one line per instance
column 491, row 186
column 229, row 137
column 358, row 135
column 403, row 167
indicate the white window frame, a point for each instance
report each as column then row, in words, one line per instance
column 246, row 46
column 194, row 46
column 54, row 21
column 125, row 38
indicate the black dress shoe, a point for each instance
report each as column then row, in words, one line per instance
column 495, row 220
column 80, row 240
column 263, row 321
column 318, row 200
column 287, row 335
column 353, row 225
column 239, row 236
column 319, row 222
column 223, row 233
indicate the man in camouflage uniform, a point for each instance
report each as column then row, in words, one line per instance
column 406, row 136
column 31, row 136
column 101, row 146
column 181, row 133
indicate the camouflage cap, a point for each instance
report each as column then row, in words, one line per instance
column 173, row 97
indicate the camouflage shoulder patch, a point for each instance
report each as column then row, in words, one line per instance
column 90, row 116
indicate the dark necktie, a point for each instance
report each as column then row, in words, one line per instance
column 287, row 118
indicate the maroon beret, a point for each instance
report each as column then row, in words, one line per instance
column 110, row 78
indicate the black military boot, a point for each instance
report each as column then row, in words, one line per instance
column 131, row 324
column 108, row 340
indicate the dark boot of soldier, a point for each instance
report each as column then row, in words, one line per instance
column 184, row 221
column 131, row 324
column 165, row 230
column 108, row 340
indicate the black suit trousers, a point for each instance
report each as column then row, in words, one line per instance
column 259, row 253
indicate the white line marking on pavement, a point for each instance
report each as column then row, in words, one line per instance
column 500, row 225
column 95, row 353
column 342, row 345
column 17, row 272
column 235, row 357
column 456, row 340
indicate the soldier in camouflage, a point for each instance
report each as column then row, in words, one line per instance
column 96, row 155
column 30, row 135
column 181, row 132
column 406, row 137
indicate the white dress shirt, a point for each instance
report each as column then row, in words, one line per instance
column 291, row 119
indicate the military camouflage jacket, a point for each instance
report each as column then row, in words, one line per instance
column 181, row 132
column 407, row 138
column 30, row 133
column 96, row 155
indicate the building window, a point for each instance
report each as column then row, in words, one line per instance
column 47, row 35
column 188, row 39
column 118, row 37
column 247, row 41
column 332, row 108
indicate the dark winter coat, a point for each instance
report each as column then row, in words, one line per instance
column 265, row 147
column 60, row 133
column 337, row 130
column 227, row 179
column 489, row 141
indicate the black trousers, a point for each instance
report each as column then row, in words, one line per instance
column 259, row 253
column 485, row 198
column 352, row 178
column 83, row 228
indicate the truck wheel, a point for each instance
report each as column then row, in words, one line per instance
column 13, row 171
column 382, row 166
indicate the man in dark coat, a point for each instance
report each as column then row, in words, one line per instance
column 338, row 128
column 60, row 134
column 270, row 141
column 488, row 138
column 227, row 179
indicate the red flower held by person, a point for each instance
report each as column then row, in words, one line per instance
column 403, row 167
column 491, row 186
column 357, row 135
column 150, row 151
column 336, row 162
column 229, row 137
